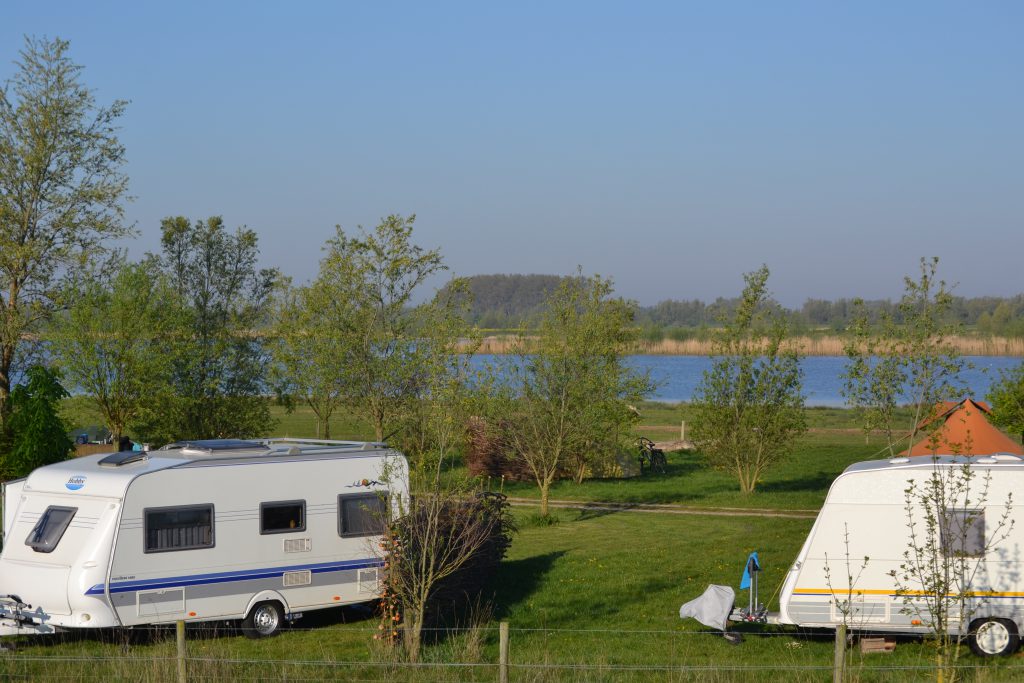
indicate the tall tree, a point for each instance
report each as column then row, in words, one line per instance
column 37, row 432
column 905, row 358
column 115, row 339
column 61, row 189
column 568, row 391
column 219, row 359
column 749, row 404
column 390, row 351
column 1007, row 398
column 308, row 349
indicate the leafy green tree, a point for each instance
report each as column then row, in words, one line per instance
column 114, row 341
column 387, row 352
column 749, row 406
column 61, row 189
column 37, row 434
column 565, row 400
column 308, row 350
column 905, row 358
column 219, row 361
column 1007, row 398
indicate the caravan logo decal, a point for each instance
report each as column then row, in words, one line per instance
column 363, row 483
column 76, row 482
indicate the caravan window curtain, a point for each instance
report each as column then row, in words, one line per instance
column 178, row 528
column 362, row 514
column 962, row 533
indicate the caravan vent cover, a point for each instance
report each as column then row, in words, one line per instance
column 298, row 545
column 301, row 578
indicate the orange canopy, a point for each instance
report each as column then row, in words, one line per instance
column 965, row 430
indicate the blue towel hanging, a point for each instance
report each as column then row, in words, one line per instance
column 745, row 581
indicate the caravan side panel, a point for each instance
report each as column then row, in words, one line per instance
column 224, row 566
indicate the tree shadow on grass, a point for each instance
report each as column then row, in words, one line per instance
column 815, row 482
column 517, row 580
column 588, row 512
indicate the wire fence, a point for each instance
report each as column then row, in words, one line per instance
column 475, row 655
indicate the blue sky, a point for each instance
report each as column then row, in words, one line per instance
column 670, row 146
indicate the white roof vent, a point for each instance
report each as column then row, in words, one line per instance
column 1006, row 457
column 899, row 461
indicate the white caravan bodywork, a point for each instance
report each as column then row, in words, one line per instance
column 867, row 505
column 196, row 531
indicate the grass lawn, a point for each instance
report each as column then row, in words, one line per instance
column 592, row 597
column 799, row 482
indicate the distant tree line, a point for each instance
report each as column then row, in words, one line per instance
column 514, row 301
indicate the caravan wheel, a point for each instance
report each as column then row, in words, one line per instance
column 992, row 637
column 264, row 620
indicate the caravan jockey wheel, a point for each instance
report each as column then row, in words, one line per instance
column 992, row 637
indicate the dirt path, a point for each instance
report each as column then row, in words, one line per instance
column 672, row 509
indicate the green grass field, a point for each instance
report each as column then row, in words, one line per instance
column 591, row 597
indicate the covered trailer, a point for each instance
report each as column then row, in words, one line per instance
column 197, row 531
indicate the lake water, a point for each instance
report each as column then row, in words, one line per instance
column 678, row 376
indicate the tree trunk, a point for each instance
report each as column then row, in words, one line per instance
column 413, row 633
column 544, row 489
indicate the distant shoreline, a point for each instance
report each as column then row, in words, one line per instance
column 810, row 346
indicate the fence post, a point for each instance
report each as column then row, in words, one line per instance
column 839, row 660
column 503, row 652
column 182, row 673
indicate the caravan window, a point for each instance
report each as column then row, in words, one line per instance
column 50, row 528
column 362, row 514
column 963, row 533
column 282, row 517
column 178, row 528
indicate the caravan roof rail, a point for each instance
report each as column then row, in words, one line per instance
column 313, row 444
column 210, row 446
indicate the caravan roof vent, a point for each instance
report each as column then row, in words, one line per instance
column 211, row 446
column 1006, row 457
column 124, row 458
column 899, row 461
column 986, row 460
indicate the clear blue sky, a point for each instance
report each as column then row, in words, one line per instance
column 671, row 146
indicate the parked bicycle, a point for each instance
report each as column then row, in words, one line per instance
column 653, row 458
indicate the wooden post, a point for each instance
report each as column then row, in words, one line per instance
column 503, row 652
column 182, row 673
column 682, row 430
column 839, row 660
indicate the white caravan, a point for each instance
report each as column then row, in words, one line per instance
column 197, row 531
column 867, row 505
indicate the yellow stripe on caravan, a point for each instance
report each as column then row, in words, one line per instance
column 891, row 591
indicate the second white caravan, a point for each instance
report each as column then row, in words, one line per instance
column 864, row 521
column 220, row 529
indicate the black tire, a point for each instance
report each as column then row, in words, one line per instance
column 264, row 620
column 991, row 637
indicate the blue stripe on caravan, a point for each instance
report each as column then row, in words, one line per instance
column 225, row 577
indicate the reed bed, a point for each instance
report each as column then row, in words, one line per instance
column 807, row 345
